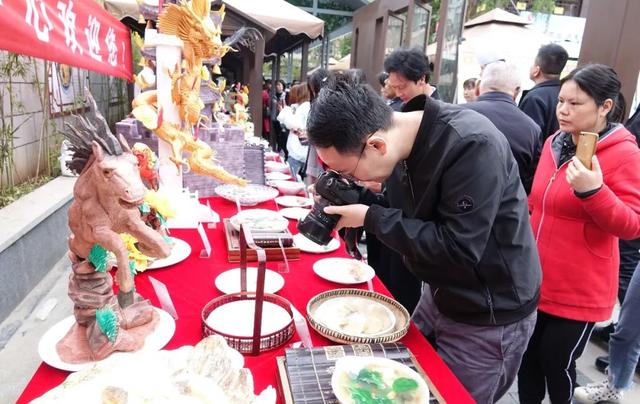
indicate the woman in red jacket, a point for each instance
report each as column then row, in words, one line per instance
column 577, row 216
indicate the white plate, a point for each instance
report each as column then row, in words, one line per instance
column 260, row 221
column 294, row 213
column 47, row 345
column 306, row 245
column 277, row 176
column 347, row 271
column 229, row 281
column 236, row 318
column 179, row 252
column 355, row 316
column 291, row 201
column 288, row 187
column 349, row 366
column 271, row 166
column 249, row 195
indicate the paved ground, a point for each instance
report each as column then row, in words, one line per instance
column 19, row 336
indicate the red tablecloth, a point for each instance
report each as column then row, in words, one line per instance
column 191, row 285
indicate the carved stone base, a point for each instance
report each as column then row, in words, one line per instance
column 90, row 290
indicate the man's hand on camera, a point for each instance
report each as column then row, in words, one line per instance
column 352, row 215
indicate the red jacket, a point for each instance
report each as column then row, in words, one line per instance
column 578, row 238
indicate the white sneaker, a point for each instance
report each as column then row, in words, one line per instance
column 598, row 392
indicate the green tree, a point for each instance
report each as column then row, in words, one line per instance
column 435, row 17
column 543, row 6
column 345, row 46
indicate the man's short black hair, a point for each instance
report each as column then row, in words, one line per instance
column 552, row 58
column 412, row 63
column 344, row 114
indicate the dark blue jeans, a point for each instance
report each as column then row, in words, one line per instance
column 629, row 258
column 624, row 345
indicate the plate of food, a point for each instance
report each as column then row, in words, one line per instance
column 379, row 380
column 180, row 251
column 294, row 213
column 260, row 221
column 47, row 346
column 229, row 281
column 306, row 245
column 362, row 328
column 346, row 271
column 248, row 195
column 288, row 187
column 277, row 176
column 271, row 166
column 291, row 201
column 356, row 316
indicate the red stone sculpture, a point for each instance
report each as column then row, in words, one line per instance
column 107, row 196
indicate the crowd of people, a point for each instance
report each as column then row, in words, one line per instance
column 480, row 218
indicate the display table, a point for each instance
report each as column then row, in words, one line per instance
column 191, row 285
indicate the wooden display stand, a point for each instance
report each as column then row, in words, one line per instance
column 272, row 253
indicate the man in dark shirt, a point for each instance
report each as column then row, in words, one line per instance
column 409, row 74
column 499, row 86
column 540, row 102
column 454, row 210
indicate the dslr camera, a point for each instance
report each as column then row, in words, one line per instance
column 333, row 189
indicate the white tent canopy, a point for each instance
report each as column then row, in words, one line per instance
column 500, row 33
column 271, row 14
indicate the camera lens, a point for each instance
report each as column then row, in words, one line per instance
column 317, row 226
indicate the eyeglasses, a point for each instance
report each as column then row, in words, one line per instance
column 353, row 172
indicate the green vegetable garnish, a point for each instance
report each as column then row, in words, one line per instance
column 361, row 395
column 404, row 384
column 374, row 378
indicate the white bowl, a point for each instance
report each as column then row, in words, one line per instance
column 271, row 166
column 348, row 368
column 289, row 187
column 277, row 176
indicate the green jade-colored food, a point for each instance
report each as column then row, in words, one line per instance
column 368, row 387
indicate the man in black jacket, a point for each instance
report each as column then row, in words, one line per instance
column 540, row 102
column 409, row 73
column 457, row 213
column 499, row 86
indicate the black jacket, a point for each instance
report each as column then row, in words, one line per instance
column 633, row 124
column 521, row 131
column 458, row 214
column 540, row 104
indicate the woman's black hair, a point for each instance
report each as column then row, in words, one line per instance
column 284, row 85
column 382, row 78
column 316, row 81
column 601, row 83
column 619, row 110
column 355, row 75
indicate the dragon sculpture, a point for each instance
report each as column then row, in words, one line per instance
column 107, row 197
column 200, row 30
